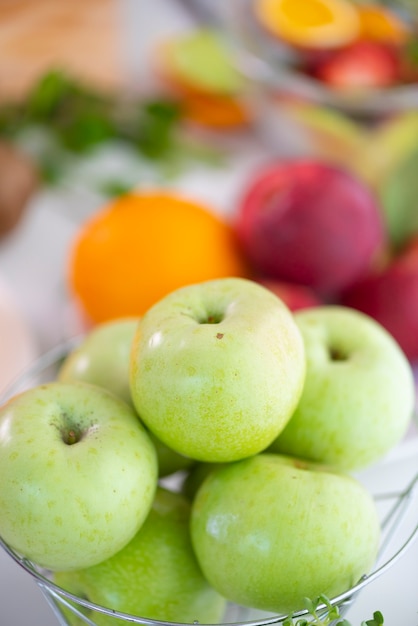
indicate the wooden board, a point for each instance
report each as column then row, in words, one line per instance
column 80, row 35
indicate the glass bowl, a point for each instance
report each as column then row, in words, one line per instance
column 398, row 512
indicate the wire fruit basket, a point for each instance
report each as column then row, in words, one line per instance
column 398, row 517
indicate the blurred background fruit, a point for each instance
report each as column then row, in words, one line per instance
column 363, row 64
column 399, row 198
column 332, row 37
column 386, row 145
column 391, row 297
column 307, row 222
column 141, row 246
column 314, row 24
column 382, row 23
column 199, row 71
column 293, row 295
column 305, row 80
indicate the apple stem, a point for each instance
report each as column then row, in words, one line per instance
column 71, row 437
column 213, row 319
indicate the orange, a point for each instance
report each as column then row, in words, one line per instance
column 310, row 23
column 381, row 24
column 141, row 246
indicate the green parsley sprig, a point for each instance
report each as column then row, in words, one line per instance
column 77, row 120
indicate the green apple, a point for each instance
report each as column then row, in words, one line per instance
column 78, row 474
column 330, row 135
column 359, row 393
column 155, row 576
column 102, row 358
column 169, row 461
column 392, row 142
column 271, row 530
column 195, row 477
column 217, row 369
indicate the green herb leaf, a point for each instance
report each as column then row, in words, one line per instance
column 86, row 130
column 376, row 621
column 77, row 120
column 157, row 122
column 47, row 96
column 114, row 188
column 330, row 615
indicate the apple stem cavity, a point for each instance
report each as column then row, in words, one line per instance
column 337, row 355
column 214, row 318
column 70, row 433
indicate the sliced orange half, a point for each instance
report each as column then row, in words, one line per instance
column 381, row 24
column 310, row 23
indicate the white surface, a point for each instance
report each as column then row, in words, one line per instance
column 395, row 593
column 17, row 342
column 33, row 263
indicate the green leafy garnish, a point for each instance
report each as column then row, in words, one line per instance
column 320, row 612
column 155, row 127
column 376, row 621
column 114, row 188
column 77, row 120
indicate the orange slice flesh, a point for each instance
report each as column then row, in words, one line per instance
column 381, row 24
column 216, row 111
column 317, row 24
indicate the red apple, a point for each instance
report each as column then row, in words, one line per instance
column 295, row 296
column 391, row 297
column 310, row 223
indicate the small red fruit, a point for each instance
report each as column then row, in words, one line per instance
column 364, row 64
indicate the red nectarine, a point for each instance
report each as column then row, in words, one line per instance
column 308, row 222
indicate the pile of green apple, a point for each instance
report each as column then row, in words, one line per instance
column 264, row 413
